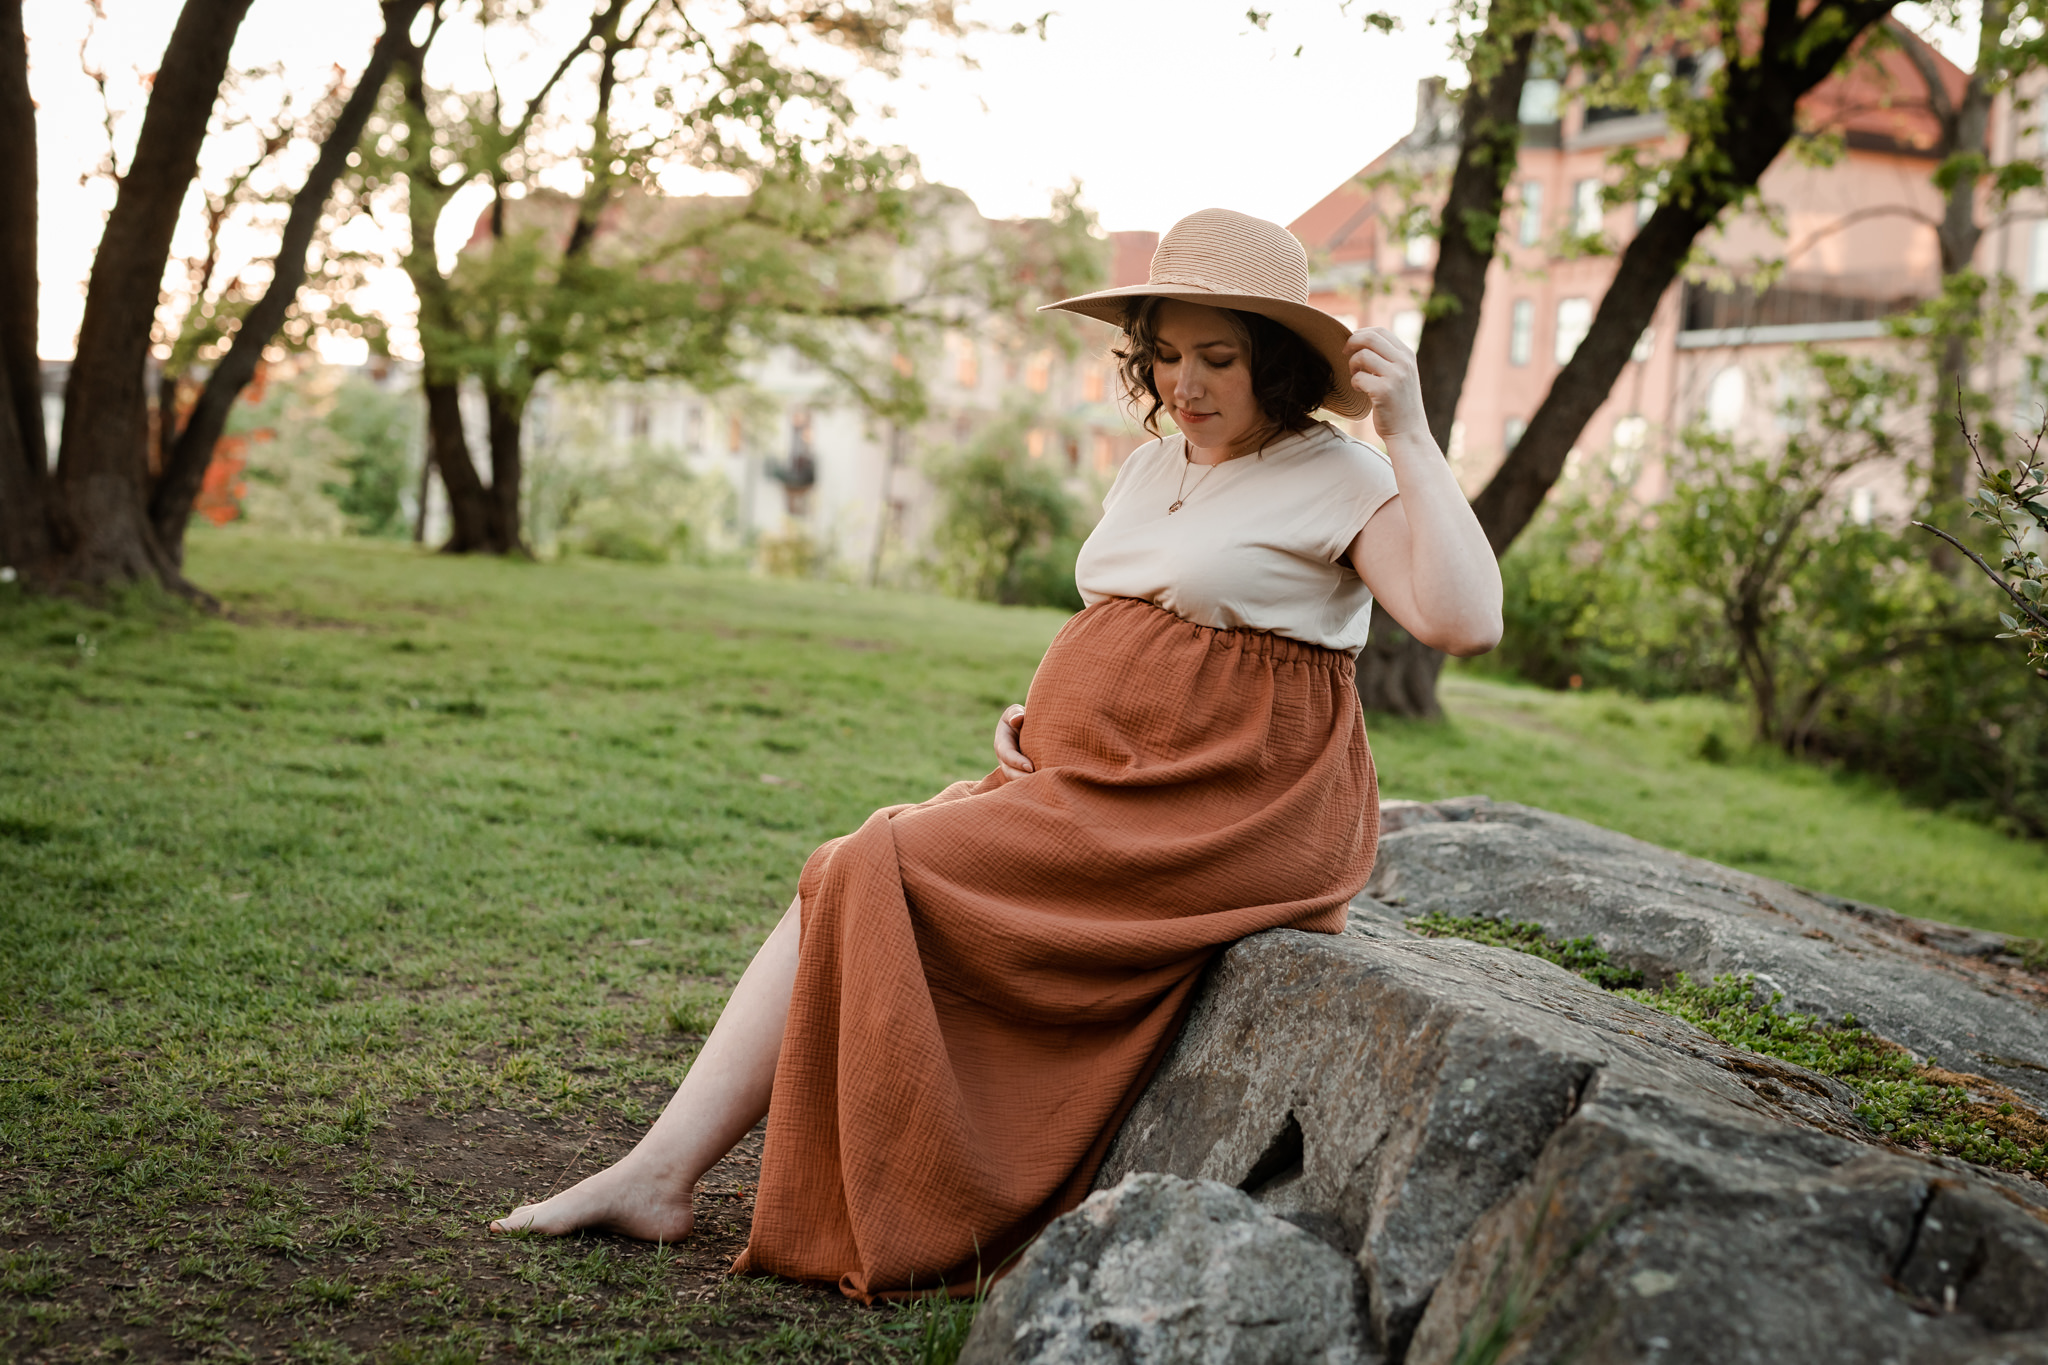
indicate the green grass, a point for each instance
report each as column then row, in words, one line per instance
column 330, row 929
column 1636, row 766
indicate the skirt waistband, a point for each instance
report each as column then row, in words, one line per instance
column 1142, row 614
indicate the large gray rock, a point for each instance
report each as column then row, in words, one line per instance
column 1164, row 1271
column 1956, row 994
column 1644, row 1234
column 1416, row 1102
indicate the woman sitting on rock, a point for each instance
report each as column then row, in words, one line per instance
column 967, row 995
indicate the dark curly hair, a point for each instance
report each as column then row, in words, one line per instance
column 1290, row 378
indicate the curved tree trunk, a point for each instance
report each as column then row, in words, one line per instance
column 470, row 508
column 191, row 451
column 102, row 464
column 1757, row 114
column 25, row 541
column 1396, row 672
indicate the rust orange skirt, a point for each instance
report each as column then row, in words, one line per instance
column 986, row 980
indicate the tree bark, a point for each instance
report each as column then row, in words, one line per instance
column 170, row 508
column 24, row 459
column 1755, row 116
column 1396, row 672
column 470, row 509
column 506, row 413
column 102, row 465
column 1964, row 147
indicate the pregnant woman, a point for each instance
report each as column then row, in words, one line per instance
column 967, row 995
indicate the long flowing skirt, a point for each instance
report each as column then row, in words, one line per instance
column 986, row 980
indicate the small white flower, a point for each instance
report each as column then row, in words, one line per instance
column 7, row 573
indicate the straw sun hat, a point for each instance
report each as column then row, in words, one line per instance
column 1232, row 260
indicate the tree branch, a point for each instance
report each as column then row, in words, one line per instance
column 2033, row 614
column 170, row 505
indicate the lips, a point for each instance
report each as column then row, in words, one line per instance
column 1183, row 416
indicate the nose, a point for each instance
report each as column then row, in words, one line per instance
column 1187, row 387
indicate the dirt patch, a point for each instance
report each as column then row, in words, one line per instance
column 376, row 1249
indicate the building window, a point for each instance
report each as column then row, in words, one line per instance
column 1105, row 453
column 1540, row 96
column 1726, row 398
column 1574, row 320
column 1522, row 332
column 1408, row 327
column 1586, row 211
column 1038, row 372
column 1034, row 443
column 1093, row 383
column 2037, row 266
column 1416, row 251
column 1511, row 434
column 1531, row 226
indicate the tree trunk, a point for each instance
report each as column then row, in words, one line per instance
column 102, row 466
column 191, row 451
column 1396, row 672
column 1964, row 148
column 1756, row 115
column 507, row 414
column 469, row 502
column 24, row 460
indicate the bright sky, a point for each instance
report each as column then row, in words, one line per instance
column 1156, row 108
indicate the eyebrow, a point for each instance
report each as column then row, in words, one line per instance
column 1205, row 345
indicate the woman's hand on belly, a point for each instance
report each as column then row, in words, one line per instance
column 1009, row 736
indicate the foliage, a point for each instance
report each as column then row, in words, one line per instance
column 1586, row 601
column 1806, row 596
column 380, row 438
column 1750, row 579
column 1581, row 955
column 327, row 453
column 2014, row 500
column 1009, row 531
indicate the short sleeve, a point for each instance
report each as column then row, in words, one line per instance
column 1366, row 486
column 1120, row 482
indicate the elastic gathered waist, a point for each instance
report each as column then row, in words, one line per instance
column 1150, row 616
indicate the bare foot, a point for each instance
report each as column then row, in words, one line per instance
column 619, row 1199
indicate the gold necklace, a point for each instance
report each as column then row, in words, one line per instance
column 1184, row 492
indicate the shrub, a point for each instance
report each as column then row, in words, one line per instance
column 1008, row 531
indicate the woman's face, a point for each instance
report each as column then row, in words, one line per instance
column 1200, row 371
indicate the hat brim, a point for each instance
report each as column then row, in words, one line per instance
column 1326, row 334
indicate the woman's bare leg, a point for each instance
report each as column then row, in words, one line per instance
column 647, row 1193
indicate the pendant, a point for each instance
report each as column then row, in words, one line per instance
column 1175, row 508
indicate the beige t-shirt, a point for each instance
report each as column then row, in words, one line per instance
column 1256, row 543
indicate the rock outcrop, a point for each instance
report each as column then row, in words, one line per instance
column 1509, row 1153
column 1166, row 1269
column 1957, row 994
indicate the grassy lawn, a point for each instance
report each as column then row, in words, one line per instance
column 330, row 930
